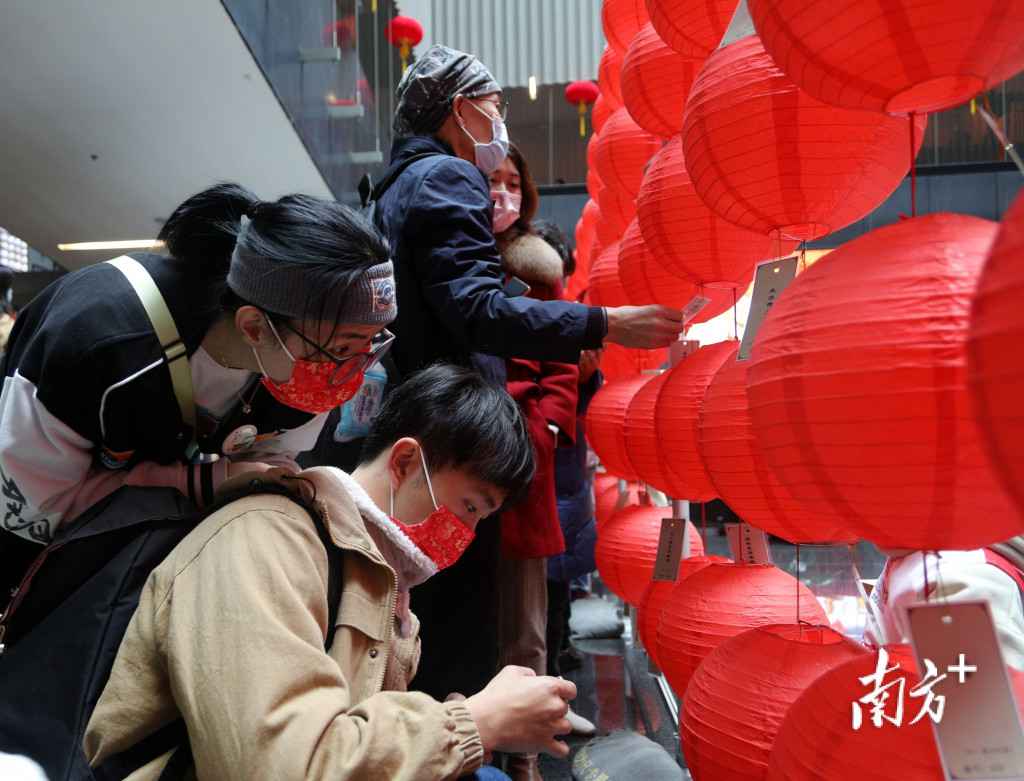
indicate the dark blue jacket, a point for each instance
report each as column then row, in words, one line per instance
column 437, row 215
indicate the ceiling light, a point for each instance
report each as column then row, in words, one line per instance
column 130, row 244
column 533, row 87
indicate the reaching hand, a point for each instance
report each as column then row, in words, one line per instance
column 520, row 711
column 644, row 327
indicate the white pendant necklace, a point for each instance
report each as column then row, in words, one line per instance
column 246, row 405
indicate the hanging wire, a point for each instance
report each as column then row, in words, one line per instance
column 986, row 114
column 913, row 170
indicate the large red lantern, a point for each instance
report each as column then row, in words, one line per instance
column 619, row 211
column 899, row 57
column 618, row 360
column 622, row 20
column 721, row 600
column 627, row 548
column 581, row 94
column 690, row 240
column 694, row 28
column 738, row 470
column 403, row 32
column 609, row 75
column 857, row 388
column 604, row 420
column 605, row 288
column 652, row 601
column 995, row 361
column 768, row 157
column 622, row 151
column 816, row 738
column 727, row 733
column 677, row 418
column 655, row 83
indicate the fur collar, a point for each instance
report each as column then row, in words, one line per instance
column 533, row 260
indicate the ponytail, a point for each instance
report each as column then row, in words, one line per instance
column 204, row 228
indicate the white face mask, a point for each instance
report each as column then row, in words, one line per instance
column 506, row 209
column 491, row 155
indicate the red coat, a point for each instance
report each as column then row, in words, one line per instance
column 546, row 393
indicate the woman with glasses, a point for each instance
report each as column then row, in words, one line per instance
column 279, row 307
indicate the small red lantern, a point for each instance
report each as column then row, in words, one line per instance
column 858, row 390
column 816, row 738
column 619, row 360
column 605, row 288
column 876, row 55
column 655, row 83
column 690, row 240
column 627, row 548
column 995, row 366
column 600, row 114
column 403, row 32
column 622, row 20
column 605, row 232
column 619, row 211
column 622, row 152
column 727, row 733
column 694, row 28
column 607, row 499
column 677, row 418
column 768, row 157
column 738, row 470
column 641, row 436
column 721, row 600
column 652, row 601
column 605, row 416
column 581, row 94
column 609, row 75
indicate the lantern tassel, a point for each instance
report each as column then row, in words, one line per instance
column 582, row 106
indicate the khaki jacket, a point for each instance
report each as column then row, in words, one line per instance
column 229, row 633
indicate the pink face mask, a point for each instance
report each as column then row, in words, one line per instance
column 309, row 387
column 442, row 537
column 506, row 209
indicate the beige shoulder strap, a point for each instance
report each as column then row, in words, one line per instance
column 174, row 349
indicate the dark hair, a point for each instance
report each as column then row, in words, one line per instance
column 555, row 236
column 530, row 197
column 6, row 280
column 461, row 421
column 329, row 243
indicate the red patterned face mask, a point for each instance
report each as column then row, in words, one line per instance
column 442, row 537
column 309, row 387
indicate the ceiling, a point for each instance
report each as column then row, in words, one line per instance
column 113, row 112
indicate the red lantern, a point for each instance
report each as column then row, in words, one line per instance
column 627, row 548
column 605, row 232
column 655, row 83
column 648, row 610
column 609, row 75
column 605, row 288
column 403, row 32
column 739, row 472
column 619, row 211
column 593, row 184
column 901, row 58
column 995, row 366
column 618, row 360
column 857, row 388
column 694, row 28
column 721, row 600
column 607, row 499
column 622, row 20
column 727, row 733
column 816, row 738
column 768, row 157
column 581, row 94
column 690, row 240
column 622, row 151
column 677, row 418
column 641, row 436
column 605, row 416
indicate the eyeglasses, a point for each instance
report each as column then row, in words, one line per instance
column 348, row 367
column 502, row 106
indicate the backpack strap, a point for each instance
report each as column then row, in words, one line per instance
column 167, row 333
column 123, row 764
column 368, row 193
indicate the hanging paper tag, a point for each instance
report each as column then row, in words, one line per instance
column 770, row 279
column 681, row 348
column 741, row 26
column 748, row 545
column 358, row 412
column 965, row 690
column 674, row 533
column 691, row 309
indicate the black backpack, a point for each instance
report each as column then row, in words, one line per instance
column 63, row 629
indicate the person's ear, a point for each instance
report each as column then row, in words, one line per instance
column 458, row 109
column 252, row 326
column 402, row 460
